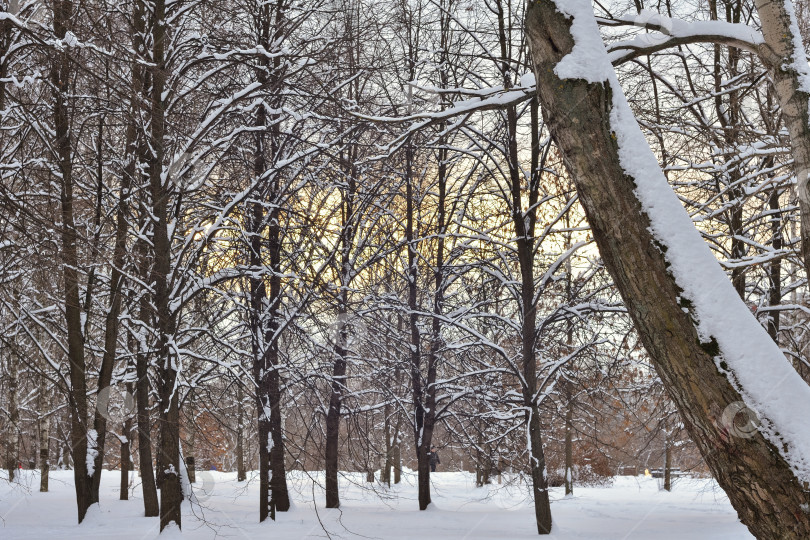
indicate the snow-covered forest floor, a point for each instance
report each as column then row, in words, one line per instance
column 631, row 508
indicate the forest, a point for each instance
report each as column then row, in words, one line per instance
column 326, row 259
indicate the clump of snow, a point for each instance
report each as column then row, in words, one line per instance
column 755, row 365
column 92, row 451
column 799, row 60
column 579, row 63
column 185, row 482
column 171, row 531
column 95, row 517
column 682, row 29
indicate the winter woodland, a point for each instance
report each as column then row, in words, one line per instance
column 263, row 261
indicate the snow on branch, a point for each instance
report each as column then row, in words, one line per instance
column 668, row 32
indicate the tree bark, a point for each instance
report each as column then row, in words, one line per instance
column 524, row 224
column 191, row 463
column 44, row 436
column 781, row 58
column 385, row 472
column 417, row 387
column 339, row 365
column 144, row 423
column 667, row 462
column 265, row 303
column 397, row 461
column 762, row 487
column 126, row 460
column 775, row 266
column 60, row 77
column 569, row 443
column 241, row 474
column 13, row 433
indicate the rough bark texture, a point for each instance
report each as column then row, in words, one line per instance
column 111, row 323
column 760, row 484
column 265, row 302
column 171, row 495
column 569, row 443
column 126, row 460
column 144, row 424
column 524, row 223
column 775, row 267
column 12, row 442
column 417, row 386
column 668, row 464
column 241, row 473
column 60, row 77
column 44, row 437
column 397, row 461
column 333, row 418
column 137, row 155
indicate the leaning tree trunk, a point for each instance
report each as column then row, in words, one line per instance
column 759, row 481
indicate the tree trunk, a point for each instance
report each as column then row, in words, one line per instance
column 241, row 474
column 385, row 472
column 667, row 463
column 781, row 55
column 126, row 460
column 13, row 432
column 60, row 78
column 775, row 266
column 44, row 454
column 420, row 435
column 191, row 440
column 397, row 462
column 171, row 495
column 762, row 487
column 569, row 445
column 486, row 473
column 144, row 423
column 333, row 414
column 524, row 224
column 44, row 437
column 111, row 323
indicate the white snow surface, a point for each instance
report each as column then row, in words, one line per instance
column 799, row 60
column 767, row 382
column 633, row 508
column 92, row 451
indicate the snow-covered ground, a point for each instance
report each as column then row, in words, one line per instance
column 632, row 508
